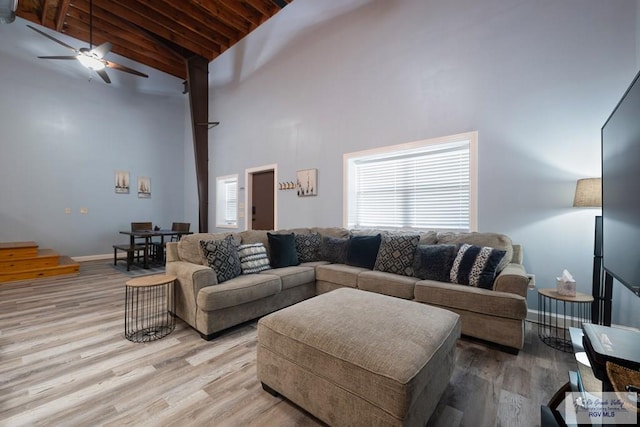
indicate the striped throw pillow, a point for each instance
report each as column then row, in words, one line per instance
column 253, row 258
column 476, row 266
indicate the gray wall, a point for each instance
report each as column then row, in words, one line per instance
column 536, row 80
column 63, row 137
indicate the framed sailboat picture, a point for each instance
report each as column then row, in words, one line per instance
column 144, row 187
column 307, row 182
column 122, row 182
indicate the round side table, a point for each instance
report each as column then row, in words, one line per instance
column 149, row 308
column 554, row 324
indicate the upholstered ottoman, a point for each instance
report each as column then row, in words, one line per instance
column 352, row 357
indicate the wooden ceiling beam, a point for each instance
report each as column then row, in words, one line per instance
column 63, row 7
column 225, row 15
column 265, row 7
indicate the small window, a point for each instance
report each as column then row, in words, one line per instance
column 227, row 201
column 428, row 184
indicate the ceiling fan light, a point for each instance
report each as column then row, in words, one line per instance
column 90, row 62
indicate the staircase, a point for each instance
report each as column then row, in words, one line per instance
column 23, row 261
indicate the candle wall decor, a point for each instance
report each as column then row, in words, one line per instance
column 307, row 182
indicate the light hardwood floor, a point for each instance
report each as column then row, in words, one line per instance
column 64, row 361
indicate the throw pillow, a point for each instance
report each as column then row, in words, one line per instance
column 253, row 258
column 308, row 247
column 363, row 251
column 396, row 253
column 334, row 249
column 476, row 265
column 222, row 256
column 433, row 262
column 283, row 250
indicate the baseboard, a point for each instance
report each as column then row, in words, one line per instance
column 92, row 257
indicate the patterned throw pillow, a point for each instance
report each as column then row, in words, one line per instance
column 222, row 256
column 476, row 266
column 433, row 262
column 334, row 249
column 253, row 258
column 308, row 247
column 396, row 253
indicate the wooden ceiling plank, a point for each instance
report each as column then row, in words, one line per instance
column 226, row 16
column 251, row 14
column 63, row 6
column 266, row 8
column 142, row 17
column 190, row 20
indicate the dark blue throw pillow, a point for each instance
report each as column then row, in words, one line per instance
column 282, row 250
column 363, row 251
column 476, row 266
column 433, row 262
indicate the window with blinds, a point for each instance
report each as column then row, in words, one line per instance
column 227, row 201
column 424, row 185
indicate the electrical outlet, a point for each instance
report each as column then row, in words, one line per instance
column 67, row 210
column 532, row 280
column 84, row 211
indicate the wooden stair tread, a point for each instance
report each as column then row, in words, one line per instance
column 17, row 245
column 15, row 250
column 65, row 266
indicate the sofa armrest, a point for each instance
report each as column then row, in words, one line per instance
column 513, row 279
column 518, row 255
column 192, row 276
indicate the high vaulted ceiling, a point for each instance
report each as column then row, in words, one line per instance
column 158, row 33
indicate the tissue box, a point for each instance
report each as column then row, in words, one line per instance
column 567, row 289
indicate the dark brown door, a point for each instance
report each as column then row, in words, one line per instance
column 262, row 203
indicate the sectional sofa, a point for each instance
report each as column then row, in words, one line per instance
column 440, row 269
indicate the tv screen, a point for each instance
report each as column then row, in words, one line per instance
column 621, row 190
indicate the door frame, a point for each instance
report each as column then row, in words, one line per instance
column 248, row 194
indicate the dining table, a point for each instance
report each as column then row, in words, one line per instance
column 147, row 235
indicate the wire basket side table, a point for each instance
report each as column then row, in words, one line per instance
column 149, row 308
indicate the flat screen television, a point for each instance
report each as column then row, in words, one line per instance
column 621, row 190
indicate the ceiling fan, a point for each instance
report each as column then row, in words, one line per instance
column 91, row 58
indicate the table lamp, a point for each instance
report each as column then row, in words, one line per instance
column 589, row 195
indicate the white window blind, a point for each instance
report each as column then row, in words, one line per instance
column 227, row 201
column 424, row 186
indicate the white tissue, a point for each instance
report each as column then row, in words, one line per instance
column 566, row 284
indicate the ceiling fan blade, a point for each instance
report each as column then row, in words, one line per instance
column 104, row 75
column 125, row 69
column 53, row 38
column 102, row 50
column 58, row 57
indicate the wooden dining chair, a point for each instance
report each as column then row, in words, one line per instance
column 132, row 251
column 160, row 248
column 180, row 227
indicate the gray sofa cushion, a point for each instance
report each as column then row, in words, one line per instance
column 342, row 274
column 394, row 285
column 237, row 291
column 294, row 276
column 189, row 249
column 483, row 301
